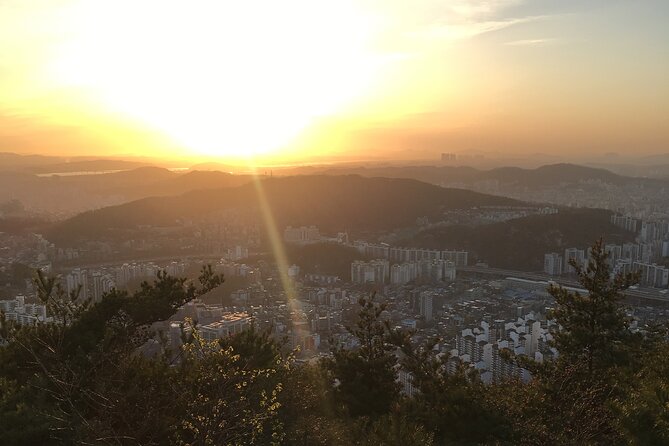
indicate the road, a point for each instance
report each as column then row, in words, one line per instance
column 652, row 294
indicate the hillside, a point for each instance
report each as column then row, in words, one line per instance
column 100, row 165
column 177, row 184
column 558, row 184
column 324, row 258
column 23, row 225
column 334, row 203
column 65, row 195
column 69, row 195
column 548, row 175
column 522, row 243
column 13, row 161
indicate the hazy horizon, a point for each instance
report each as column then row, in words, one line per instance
column 309, row 81
column 345, row 223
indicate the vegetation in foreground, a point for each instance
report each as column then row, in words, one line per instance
column 89, row 378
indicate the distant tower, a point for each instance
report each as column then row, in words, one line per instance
column 426, row 306
column 553, row 264
column 448, row 157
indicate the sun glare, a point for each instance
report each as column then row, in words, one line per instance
column 220, row 78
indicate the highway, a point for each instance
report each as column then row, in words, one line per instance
column 651, row 294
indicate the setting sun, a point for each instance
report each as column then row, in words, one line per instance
column 310, row 81
column 232, row 79
column 341, row 222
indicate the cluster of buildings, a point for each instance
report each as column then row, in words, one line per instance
column 18, row 310
column 380, row 272
column 648, row 230
column 234, row 269
column 142, row 270
column 229, row 324
column 305, row 235
column 625, row 258
column 333, row 298
column 322, row 279
column 93, row 283
column 429, row 271
column 401, row 255
column 235, row 253
column 636, row 196
column 375, row 271
column 304, row 323
column 555, row 264
column 479, row 320
column 399, row 266
column 212, row 322
column 650, row 274
column 626, row 222
column 480, row 346
column 89, row 284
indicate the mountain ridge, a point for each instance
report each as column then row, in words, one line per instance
column 334, row 203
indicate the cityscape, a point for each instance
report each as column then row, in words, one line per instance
column 334, row 223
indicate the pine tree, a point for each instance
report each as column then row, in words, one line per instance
column 83, row 378
column 366, row 378
column 644, row 410
column 571, row 399
column 593, row 326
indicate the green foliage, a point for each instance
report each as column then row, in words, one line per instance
column 84, row 379
column 451, row 405
column 308, row 411
column 521, row 243
column 17, row 274
column 102, row 374
column 255, row 348
column 558, row 407
column 395, row 430
column 584, row 396
column 593, row 326
column 366, row 379
column 230, row 400
column 645, row 409
column 324, row 258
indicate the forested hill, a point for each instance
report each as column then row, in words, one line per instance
column 334, row 203
column 521, row 243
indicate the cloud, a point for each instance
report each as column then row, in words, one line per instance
column 435, row 21
column 472, row 29
column 478, row 10
column 530, row 42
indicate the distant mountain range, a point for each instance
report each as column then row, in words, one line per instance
column 558, row 184
column 554, row 174
column 23, row 178
column 363, row 207
column 61, row 164
column 179, row 183
column 62, row 194
column 334, row 203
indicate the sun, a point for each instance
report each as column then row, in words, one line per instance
column 234, row 79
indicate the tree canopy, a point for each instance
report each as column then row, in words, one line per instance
column 103, row 373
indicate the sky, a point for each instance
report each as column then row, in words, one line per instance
column 309, row 80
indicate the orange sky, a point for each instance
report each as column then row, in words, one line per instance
column 308, row 79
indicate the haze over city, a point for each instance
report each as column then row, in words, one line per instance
column 334, row 223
